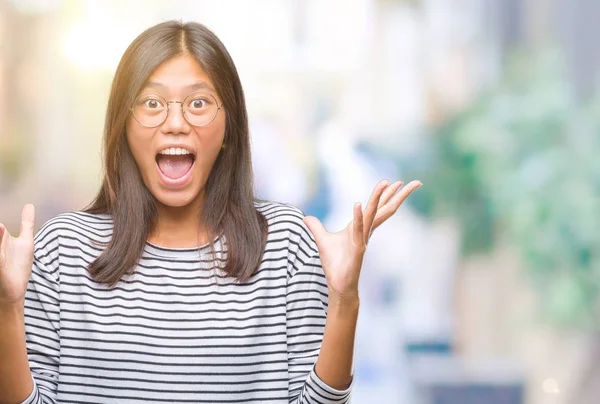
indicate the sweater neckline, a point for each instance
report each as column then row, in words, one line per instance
column 186, row 252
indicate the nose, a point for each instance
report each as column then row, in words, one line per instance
column 175, row 122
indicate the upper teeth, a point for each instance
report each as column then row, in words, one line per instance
column 175, row 151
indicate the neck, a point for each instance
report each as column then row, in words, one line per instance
column 179, row 227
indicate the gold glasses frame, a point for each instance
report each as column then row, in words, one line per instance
column 182, row 103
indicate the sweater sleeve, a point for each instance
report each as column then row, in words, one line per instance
column 42, row 319
column 306, row 307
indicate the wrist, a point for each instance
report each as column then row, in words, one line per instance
column 346, row 302
column 16, row 307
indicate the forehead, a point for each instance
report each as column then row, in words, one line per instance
column 180, row 73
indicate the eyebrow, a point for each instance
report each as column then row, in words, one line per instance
column 200, row 85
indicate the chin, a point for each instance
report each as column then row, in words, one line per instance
column 175, row 200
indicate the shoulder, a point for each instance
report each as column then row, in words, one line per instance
column 279, row 213
column 288, row 231
column 284, row 218
column 81, row 226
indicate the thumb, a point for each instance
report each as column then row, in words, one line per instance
column 316, row 227
column 27, row 221
column 4, row 235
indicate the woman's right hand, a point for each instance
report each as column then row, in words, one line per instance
column 16, row 259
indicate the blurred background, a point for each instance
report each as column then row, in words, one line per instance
column 484, row 287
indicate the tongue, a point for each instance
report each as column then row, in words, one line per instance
column 174, row 167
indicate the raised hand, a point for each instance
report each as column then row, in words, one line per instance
column 342, row 252
column 16, row 259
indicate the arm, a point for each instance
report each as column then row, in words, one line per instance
column 340, row 257
column 15, row 378
column 312, row 337
column 334, row 365
column 28, row 314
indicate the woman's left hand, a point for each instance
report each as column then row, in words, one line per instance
column 342, row 252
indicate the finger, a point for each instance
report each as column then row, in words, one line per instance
column 27, row 221
column 4, row 236
column 2, row 233
column 316, row 227
column 388, row 193
column 358, row 235
column 387, row 210
column 371, row 209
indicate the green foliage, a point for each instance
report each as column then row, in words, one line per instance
column 524, row 163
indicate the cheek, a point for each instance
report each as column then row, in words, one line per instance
column 140, row 150
column 210, row 145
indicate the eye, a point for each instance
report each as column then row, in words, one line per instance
column 198, row 103
column 151, row 103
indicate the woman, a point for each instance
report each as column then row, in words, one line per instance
column 176, row 284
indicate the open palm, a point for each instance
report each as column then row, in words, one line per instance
column 342, row 252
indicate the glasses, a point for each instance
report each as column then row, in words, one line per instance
column 199, row 109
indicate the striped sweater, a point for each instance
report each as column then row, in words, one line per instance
column 176, row 330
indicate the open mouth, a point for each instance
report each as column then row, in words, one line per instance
column 175, row 163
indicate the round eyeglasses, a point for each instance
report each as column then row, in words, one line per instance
column 199, row 109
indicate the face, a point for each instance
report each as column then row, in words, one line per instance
column 175, row 158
